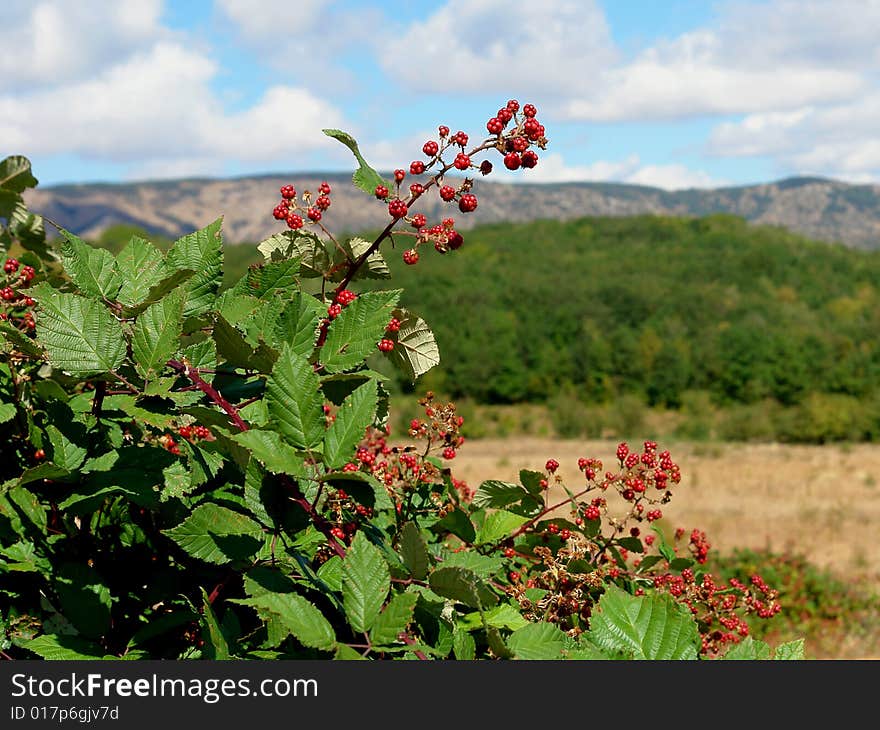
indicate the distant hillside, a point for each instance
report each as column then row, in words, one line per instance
column 819, row 208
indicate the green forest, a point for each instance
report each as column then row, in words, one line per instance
column 746, row 332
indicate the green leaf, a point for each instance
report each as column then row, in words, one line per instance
column 366, row 581
column 354, row 415
column 19, row 341
column 499, row 525
column 297, row 616
column 156, row 335
column 93, row 270
column 462, row 585
column 168, row 284
column 414, row 551
column 297, row 325
column 273, row 453
column 305, row 246
column 266, row 279
column 217, row 534
column 415, row 349
column 294, row 401
column 141, row 266
column 644, row 627
column 178, row 482
column 748, row 649
column 81, row 337
column 463, row 645
column 365, row 177
column 537, row 641
column 21, row 557
column 15, row 174
column 485, row 566
column 216, row 646
column 497, row 495
column 64, row 453
column 85, row 599
column 531, row 480
column 503, row 616
column 459, row 524
column 663, row 547
column 58, row 647
column 233, row 347
column 394, row 619
column 201, row 252
column 355, row 333
column 375, row 267
column 346, row 653
column 331, row 573
column 633, row 544
column 680, row 563
column 790, row 651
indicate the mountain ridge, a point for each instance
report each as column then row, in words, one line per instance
column 821, row 208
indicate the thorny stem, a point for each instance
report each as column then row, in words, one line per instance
column 209, row 390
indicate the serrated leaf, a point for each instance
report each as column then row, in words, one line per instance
column 790, row 651
column 414, row 551
column 748, row 649
column 497, row 495
column 305, row 246
column 158, row 290
column 485, row 566
column 463, row 645
column 59, row 647
column 366, row 581
column 234, row 348
column 156, row 334
column 93, row 270
column 365, row 177
column 459, row 584
column 354, row 415
column 141, row 266
column 415, row 348
column 216, row 646
column 217, row 534
column 266, row 279
column 499, row 525
column 64, row 453
column 297, row 616
column 633, row 544
column 297, row 325
column 394, row 619
column 85, row 599
column 355, row 333
column 81, row 337
column 375, row 266
column 201, row 252
column 15, row 174
column 459, row 524
column 293, row 398
column 19, row 341
column 531, row 480
column 21, row 557
column 331, row 573
column 273, row 453
column 177, row 481
column 644, row 627
column 537, row 641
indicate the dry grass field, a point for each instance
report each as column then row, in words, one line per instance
column 820, row 502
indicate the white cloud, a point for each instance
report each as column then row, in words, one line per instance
column 155, row 112
column 470, row 46
column 553, row 168
column 57, row 41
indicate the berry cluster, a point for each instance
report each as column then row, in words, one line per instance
column 16, row 307
column 292, row 211
column 190, row 432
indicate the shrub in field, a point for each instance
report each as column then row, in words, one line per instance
column 195, row 474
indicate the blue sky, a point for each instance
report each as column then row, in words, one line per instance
column 675, row 94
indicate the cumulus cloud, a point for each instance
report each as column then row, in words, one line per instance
column 473, row 46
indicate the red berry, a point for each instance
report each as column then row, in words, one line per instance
column 381, row 192
column 513, row 105
column 334, row 310
column 314, row 214
column 280, row 212
column 11, row 266
column 294, row 221
column 454, row 240
column 552, row 465
column 322, row 202
column 288, row 192
column 393, row 325
column 447, row 192
column 338, row 533
column 443, row 130
column 460, row 138
column 386, row 345
column 430, row 148
column 485, row 167
column 462, row 161
column 508, row 552
column 346, row 297
column 201, row 432
column 28, row 273
column 467, row 203
column 7, row 294
column 529, row 159
column 324, row 188
column 512, row 161
column 416, row 167
column 495, row 126
column 529, row 110
column 185, row 432
column 397, row 208
column 399, row 175
column 418, row 220
column 411, row 257
column 39, row 455
column 505, row 115
column 448, row 453
column 416, row 189
column 520, row 144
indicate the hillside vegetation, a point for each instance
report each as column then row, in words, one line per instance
column 752, row 332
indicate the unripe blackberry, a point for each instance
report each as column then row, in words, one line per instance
column 467, row 203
